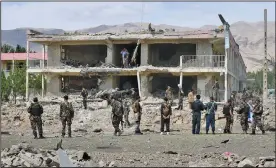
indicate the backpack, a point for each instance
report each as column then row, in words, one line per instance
column 166, row 109
column 226, row 110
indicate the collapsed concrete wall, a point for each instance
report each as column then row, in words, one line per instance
column 75, row 83
column 86, row 54
column 169, row 54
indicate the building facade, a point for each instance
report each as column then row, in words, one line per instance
column 189, row 58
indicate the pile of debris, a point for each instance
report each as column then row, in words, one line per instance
column 23, row 155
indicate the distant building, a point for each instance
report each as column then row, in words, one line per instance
column 19, row 60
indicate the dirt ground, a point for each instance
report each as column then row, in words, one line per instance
column 180, row 148
column 148, row 149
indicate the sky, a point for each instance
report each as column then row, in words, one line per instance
column 79, row 15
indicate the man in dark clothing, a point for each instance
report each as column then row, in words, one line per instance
column 66, row 116
column 257, row 116
column 197, row 107
column 166, row 112
column 243, row 110
column 228, row 113
column 211, row 108
column 35, row 111
column 84, row 95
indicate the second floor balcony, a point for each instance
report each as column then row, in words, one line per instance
column 202, row 61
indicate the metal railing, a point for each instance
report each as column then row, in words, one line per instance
column 209, row 61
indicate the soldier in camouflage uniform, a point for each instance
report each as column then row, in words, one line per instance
column 180, row 102
column 243, row 110
column 84, row 95
column 116, row 115
column 216, row 91
column 257, row 116
column 35, row 111
column 166, row 112
column 169, row 95
column 66, row 115
column 126, row 113
column 137, row 109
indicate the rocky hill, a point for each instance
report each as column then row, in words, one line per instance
column 249, row 36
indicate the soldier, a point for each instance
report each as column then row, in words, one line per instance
column 116, row 115
column 169, row 95
column 35, row 111
column 126, row 113
column 137, row 109
column 197, row 107
column 257, row 116
column 180, row 102
column 211, row 108
column 228, row 113
column 216, row 91
column 243, row 110
column 166, row 112
column 84, row 95
column 191, row 98
column 66, row 116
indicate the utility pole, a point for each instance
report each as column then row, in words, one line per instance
column 265, row 59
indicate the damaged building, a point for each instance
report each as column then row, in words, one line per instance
column 193, row 59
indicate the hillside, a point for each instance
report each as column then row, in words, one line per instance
column 249, row 36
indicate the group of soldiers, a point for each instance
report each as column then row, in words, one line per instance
column 66, row 116
column 120, row 113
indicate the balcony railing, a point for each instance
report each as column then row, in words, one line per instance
column 208, row 61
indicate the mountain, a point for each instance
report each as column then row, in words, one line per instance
column 250, row 37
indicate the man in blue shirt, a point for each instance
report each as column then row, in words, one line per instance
column 197, row 107
column 125, row 54
column 211, row 108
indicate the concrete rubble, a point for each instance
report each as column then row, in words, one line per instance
column 24, row 155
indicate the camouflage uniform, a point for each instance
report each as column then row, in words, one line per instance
column 244, row 111
column 229, row 118
column 165, row 121
column 257, row 116
column 35, row 111
column 84, row 94
column 126, row 113
column 66, row 116
column 137, row 109
column 216, row 92
column 117, row 115
column 169, row 95
column 180, row 103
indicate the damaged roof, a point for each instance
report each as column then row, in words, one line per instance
column 143, row 35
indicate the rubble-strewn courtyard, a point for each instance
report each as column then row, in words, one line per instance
column 93, row 143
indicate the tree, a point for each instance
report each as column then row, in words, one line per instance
column 5, row 87
column 7, row 48
column 18, row 79
column 257, row 85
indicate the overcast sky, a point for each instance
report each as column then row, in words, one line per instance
column 78, row 15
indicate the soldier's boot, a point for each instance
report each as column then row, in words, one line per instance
column 115, row 133
column 253, row 132
column 225, row 131
column 62, row 135
column 263, row 131
column 35, row 135
column 41, row 136
column 69, row 135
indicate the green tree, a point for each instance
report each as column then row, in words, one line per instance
column 5, row 87
column 7, row 48
column 18, row 79
column 257, row 77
